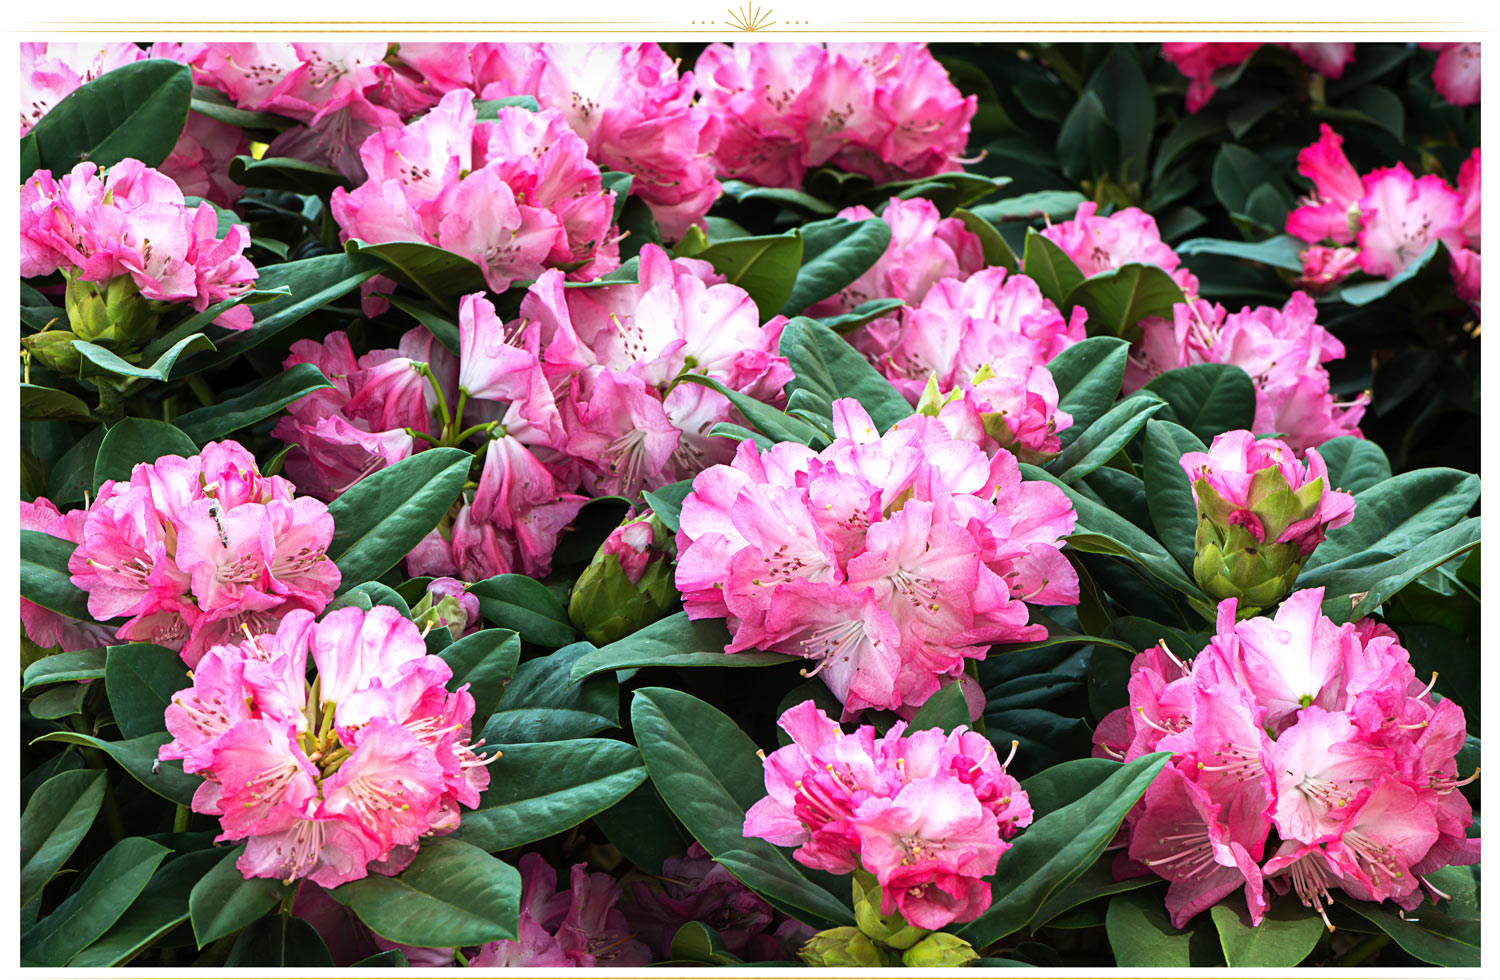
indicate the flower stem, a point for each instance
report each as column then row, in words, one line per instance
column 180, row 821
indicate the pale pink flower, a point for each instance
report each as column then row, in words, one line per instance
column 1099, row 245
column 199, row 163
column 44, row 627
column 1456, row 75
column 1402, row 215
column 51, row 70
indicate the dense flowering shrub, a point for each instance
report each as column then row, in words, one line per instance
column 1320, row 731
column 886, row 559
column 325, row 779
column 441, row 464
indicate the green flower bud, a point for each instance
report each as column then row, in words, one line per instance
column 115, row 315
column 447, row 612
column 940, row 949
column 891, row 930
column 844, row 946
column 54, row 349
column 628, row 584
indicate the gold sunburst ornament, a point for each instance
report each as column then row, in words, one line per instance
column 750, row 18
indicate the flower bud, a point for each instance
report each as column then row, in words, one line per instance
column 890, row 930
column 115, row 315
column 1012, row 407
column 844, row 946
column 628, row 584
column 1261, row 513
column 54, row 349
column 938, row 950
column 447, row 603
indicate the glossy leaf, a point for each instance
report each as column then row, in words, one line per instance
column 675, row 641
column 137, row 110
column 525, row 605
column 95, row 905
column 379, row 520
column 224, row 901
column 213, row 422
column 543, row 704
column 56, row 818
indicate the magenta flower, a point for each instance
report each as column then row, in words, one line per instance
column 1456, row 75
column 926, row 813
column 1199, row 60
column 328, row 777
column 887, row 111
column 889, row 560
column 925, row 248
column 515, row 195
column 1319, row 730
column 193, row 549
column 579, row 927
column 1332, row 211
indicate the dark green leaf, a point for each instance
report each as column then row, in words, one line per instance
column 1207, row 399
column 675, row 641
column 379, row 520
column 137, row 111
column 76, row 665
column 997, row 252
column 286, row 174
column 1279, row 251
column 1099, row 442
column 204, row 425
column 1169, row 495
column 776, row 424
column 525, row 605
column 39, row 404
column 835, row 252
column 1119, row 299
column 140, row 679
column 1141, row 934
column 827, row 368
column 1054, row 272
column 44, row 575
column 56, row 818
column 99, row 361
column 1088, row 376
column 1285, row 936
column 131, row 441
column 862, row 314
column 161, row 905
column 1029, row 207
column 765, row 267
column 95, row 905
column 542, row 704
column 484, row 660
column 784, row 196
column 666, row 502
column 137, row 756
column 225, row 901
column 543, row 788
column 278, row 941
column 947, row 709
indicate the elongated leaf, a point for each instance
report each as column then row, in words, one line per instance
column 441, row 274
column 56, row 818
column 1055, row 273
column 44, row 575
column 1118, row 300
column 204, row 425
column 312, row 283
column 708, row 774
column 780, row 883
column 1280, row 251
column 765, row 267
column 1354, row 589
column 666, row 502
column 137, row 110
column 1106, row 437
column 784, row 196
column 131, row 441
column 379, row 520
column 40, row 404
column 485, row 661
column 827, row 368
column 1354, row 464
column 95, row 905
column 862, row 314
column 542, row 704
column 101, row 361
column 776, row 424
column 161, row 905
column 540, row 789
column 75, row 665
column 279, row 941
column 285, row 174
column 1430, row 935
column 1059, row 846
column 1141, row 934
column 835, row 252
column 224, row 900
column 1206, row 399
column 1169, row 495
column 140, row 679
column 525, row 605
column 947, row 709
column 1285, row 936
column 1088, row 377
column 1028, row 207
column 137, row 756
column 675, row 641
column 997, row 252
column 452, row 894
column 440, row 326
column 1395, row 515
column 1368, row 292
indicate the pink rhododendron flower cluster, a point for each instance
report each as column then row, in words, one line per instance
column 1102, row 244
column 926, row 812
column 132, row 221
column 1284, row 352
column 340, row 92
column 1233, row 466
column 887, row 559
column 195, row 550
column 580, row 926
column 1199, row 60
column 1391, row 216
column 1011, row 405
column 925, row 248
column 44, row 627
column 888, row 111
column 1456, row 74
column 626, row 100
column 1319, row 731
column 696, row 888
column 324, row 780
column 593, row 371
column 516, row 195
column 990, row 318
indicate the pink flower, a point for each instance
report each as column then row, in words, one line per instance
column 962, row 326
column 1464, row 265
column 579, row 927
column 514, row 195
column 925, row 248
column 1401, row 215
column 927, row 814
column 1012, row 406
column 1468, row 189
column 1329, row 59
column 1103, row 244
column 888, row 559
column 44, row 627
column 51, row 70
column 1323, row 268
column 1456, row 75
column 1199, row 61
column 887, row 111
column 191, row 549
column 1332, row 211
column 329, row 777
column 199, row 163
